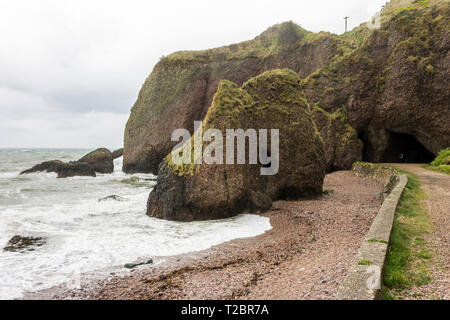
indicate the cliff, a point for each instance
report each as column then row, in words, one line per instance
column 181, row 87
column 365, row 86
column 394, row 81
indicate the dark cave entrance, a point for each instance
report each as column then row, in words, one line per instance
column 367, row 149
column 404, row 148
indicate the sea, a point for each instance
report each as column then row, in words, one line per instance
column 83, row 234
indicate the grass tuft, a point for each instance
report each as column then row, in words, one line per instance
column 441, row 163
column 375, row 240
column 364, row 262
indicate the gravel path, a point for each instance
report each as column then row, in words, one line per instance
column 306, row 255
column 437, row 187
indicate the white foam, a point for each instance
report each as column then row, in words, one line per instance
column 84, row 235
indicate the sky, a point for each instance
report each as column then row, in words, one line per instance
column 70, row 71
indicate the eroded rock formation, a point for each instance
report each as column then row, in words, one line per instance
column 272, row 100
column 395, row 81
column 100, row 160
column 117, row 153
column 364, row 85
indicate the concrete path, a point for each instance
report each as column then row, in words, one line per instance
column 437, row 187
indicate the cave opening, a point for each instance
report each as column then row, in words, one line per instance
column 404, row 148
column 367, row 147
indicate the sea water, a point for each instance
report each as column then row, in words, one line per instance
column 84, row 234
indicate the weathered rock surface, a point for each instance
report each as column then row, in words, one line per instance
column 342, row 145
column 117, row 153
column 72, row 169
column 387, row 80
column 395, row 81
column 49, row 166
column 272, row 100
column 113, row 198
column 181, row 87
column 22, row 243
column 99, row 160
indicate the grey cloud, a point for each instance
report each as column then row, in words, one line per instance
column 66, row 64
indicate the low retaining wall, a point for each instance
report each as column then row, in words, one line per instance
column 365, row 278
column 387, row 176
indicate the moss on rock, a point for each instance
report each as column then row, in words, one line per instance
column 181, row 87
column 196, row 192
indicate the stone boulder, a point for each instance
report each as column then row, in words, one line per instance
column 100, row 160
column 342, row 145
column 272, row 100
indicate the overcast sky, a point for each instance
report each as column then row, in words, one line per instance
column 71, row 70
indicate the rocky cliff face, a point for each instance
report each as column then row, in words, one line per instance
column 394, row 80
column 272, row 100
column 367, row 84
column 181, row 87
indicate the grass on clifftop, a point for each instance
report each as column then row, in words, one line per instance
column 408, row 257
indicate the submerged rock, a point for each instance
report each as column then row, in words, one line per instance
column 49, row 166
column 99, row 160
column 134, row 265
column 211, row 191
column 23, row 243
column 113, row 197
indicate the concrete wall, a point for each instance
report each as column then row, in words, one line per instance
column 365, row 278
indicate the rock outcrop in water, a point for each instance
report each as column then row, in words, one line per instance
column 22, row 243
column 187, row 192
column 367, row 84
column 100, row 160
